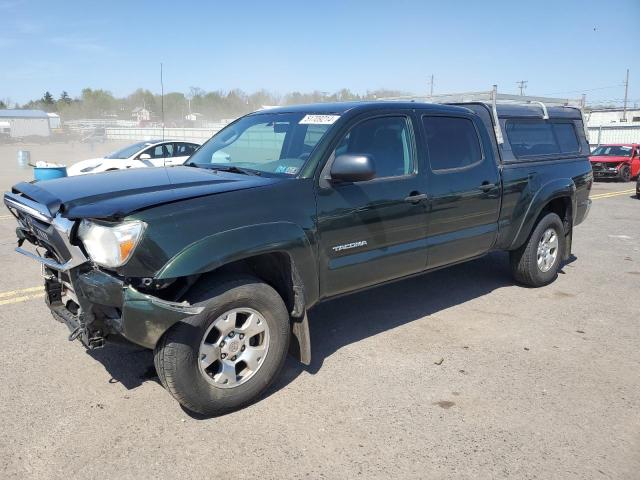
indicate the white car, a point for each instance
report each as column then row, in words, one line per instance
column 154, row 153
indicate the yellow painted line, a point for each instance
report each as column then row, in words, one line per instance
column 627, row 190
column 613, row 194
column 16, row 293
column 24, row 298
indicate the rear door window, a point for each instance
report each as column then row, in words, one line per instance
column 453, row 142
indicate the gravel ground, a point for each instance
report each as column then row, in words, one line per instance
column 456, row 374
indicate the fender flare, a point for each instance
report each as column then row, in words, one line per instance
column 229, row 246
column 558, row 188
column 222, row 248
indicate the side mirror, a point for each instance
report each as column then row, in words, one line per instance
column 352, row 168
column 145, row 156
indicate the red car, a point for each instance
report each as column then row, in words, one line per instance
column 619, row 161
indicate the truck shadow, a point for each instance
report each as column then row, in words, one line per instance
column 128, row 364
column 349, row 319
column 346, row 320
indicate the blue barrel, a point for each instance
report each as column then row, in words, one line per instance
column 49, row 173
column 24, row 157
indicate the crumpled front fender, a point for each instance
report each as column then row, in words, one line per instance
column 145, row 318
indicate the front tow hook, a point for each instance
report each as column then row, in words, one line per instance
column 92, row 343
column 75, row 334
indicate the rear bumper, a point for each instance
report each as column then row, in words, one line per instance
column 583, row 211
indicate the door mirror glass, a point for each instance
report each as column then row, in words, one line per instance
column 145, row 156
column 352, row 168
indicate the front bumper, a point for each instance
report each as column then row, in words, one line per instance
column 91, row 302
column 113, row 308
column 603, row 171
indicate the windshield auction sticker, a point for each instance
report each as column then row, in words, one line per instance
column 319, row 119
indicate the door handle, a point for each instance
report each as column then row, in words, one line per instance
column 486, row 186
column 416, row 197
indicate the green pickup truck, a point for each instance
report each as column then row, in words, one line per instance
column 214, row 264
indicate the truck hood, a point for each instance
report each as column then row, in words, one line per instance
column 119, row 193
column 608, row 159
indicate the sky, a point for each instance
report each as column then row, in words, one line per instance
column 561, row 47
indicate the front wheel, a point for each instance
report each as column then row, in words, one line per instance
column 625, row 174
column 226, row 356
column 536, row 263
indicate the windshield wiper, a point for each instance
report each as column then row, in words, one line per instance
column 235, row 169
column 224, row 168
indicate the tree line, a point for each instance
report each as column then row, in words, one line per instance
column 210, row 105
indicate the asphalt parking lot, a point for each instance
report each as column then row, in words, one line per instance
column 455, row 374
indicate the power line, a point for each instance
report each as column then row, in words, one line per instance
column 584, row 90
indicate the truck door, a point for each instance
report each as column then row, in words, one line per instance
column 464, row 188
column 375, row 230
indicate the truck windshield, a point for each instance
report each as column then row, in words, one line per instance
column 612, row 151
column 271, row 143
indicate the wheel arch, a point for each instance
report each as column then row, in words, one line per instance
column 230, row 247
column 557, row 196
column 275, row 268
column 280, row 254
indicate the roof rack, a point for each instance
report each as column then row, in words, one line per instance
column 492, row 97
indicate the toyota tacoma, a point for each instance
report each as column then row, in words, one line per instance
column 214, row 264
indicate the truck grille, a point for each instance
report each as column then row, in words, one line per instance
column 600, row 166
column 38, row 227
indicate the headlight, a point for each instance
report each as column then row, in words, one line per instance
column 110, row 245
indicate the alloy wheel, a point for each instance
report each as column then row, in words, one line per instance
column 547, row 250
column 234, row 347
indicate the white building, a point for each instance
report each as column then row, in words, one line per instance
column 54, row 120
column 193, row 117
column 609, row 116
column 141, row 114
column 26, row 123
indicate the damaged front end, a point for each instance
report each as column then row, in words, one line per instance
column 93, row 302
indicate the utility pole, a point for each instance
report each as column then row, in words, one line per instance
column 626, row 91
column 431, row 86
column 522, row 84
column 162, row 99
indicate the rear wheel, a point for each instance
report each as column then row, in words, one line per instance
column 224, row 357
column 625, row 173
column 536, row 263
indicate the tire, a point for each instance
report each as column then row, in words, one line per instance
column 524, row 262
column 625, row 174
column 178, row 358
